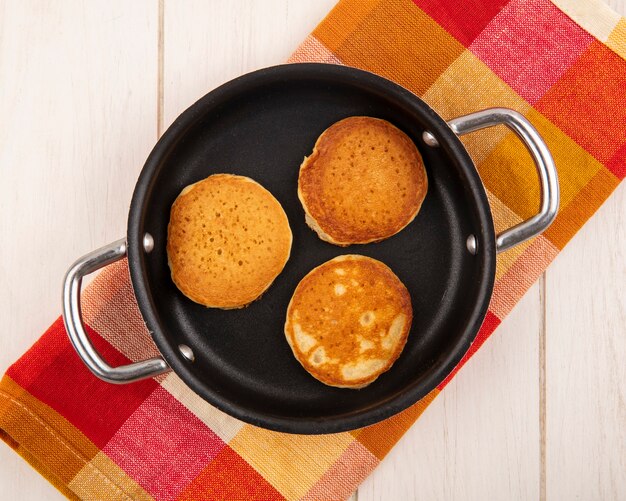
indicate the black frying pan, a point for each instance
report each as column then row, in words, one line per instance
column 262, row 125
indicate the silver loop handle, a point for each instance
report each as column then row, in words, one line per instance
column 548, row 177
column 73, row 320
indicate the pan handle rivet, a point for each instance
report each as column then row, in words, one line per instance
column 148, row 243
column 186, row 352
column 472, row 244
column 429, row 139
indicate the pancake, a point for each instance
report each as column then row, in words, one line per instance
column 364, row 182
column 228, row 238
column 348, row 321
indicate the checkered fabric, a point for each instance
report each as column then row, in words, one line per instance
column 560, row 63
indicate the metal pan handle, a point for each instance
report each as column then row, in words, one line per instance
column 548, row 177
column 74, row 322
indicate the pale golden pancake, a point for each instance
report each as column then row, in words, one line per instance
column 348, row 320
column 364, row 182
column 227, row 240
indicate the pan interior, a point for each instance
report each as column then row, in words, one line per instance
column 262, row 125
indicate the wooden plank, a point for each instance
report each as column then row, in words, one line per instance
column 585, row 368
column 77, row 101
column 585, row 348
column 209, row 43
column 78, row 82
column 618, row 6
column 479, row 439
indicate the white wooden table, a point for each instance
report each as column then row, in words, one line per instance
column 86, row 87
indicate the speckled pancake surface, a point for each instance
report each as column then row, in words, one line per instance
column 364, row 182
column 348, row 320
column 228, row 239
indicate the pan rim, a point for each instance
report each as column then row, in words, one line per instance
column 138, row 212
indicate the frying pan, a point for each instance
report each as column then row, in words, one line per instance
column 262, row 125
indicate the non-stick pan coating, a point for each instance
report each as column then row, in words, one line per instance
column 262, row 125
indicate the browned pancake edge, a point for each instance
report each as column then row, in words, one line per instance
column 357, row 312
column 364, row 181
column 228, row 239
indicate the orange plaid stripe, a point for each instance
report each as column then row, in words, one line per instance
column 457, row 57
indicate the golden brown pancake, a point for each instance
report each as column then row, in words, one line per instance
column 364, row 182
column 348, row 321
column 227, row 240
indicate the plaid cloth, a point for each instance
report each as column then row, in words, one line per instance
column 560, row 64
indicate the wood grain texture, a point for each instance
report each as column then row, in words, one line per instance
column 209, row 43
column 585, row 368
column 78, row 118
column 585, row 348
column 479, row 439
column 82, row 87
